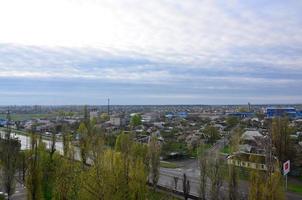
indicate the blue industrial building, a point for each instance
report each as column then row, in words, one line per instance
column 2, row 122
column 290, row 112
column 242, row 114
column 171, row 115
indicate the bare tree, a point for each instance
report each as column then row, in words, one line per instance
column 215, row 175
column 175, row 178
column 233, row 173
column 186, row 186
column 154, row 153
column 9, row 154
column 202, row 161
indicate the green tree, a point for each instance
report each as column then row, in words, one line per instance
column 232, row 121
column 67, row 180
column 33, row 179
column 257, row 185
column 212, row 133
column 66, row 140
column 136, row 120
column 280, row 137
column 83, row 142
column 138, row 177
column 104, row 117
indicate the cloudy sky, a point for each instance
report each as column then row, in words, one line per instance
column 150, row 52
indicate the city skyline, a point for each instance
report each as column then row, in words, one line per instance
column 157, row 52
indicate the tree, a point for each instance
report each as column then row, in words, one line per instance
column 154, row 154
column 215, row 174
column 83, row 143
column 280, row 137
column 257, row 186
column 104, row 117
column 232, row 121
column 140, row 151
column 274, row 186
column 86, row 117
column 186, row 186
column 233, row 173
column 138, row 176
column 34, row 175
column 124, row 145
column 67, row 180
column 9, row 155
column 49, row 161
column 212, row 133
column 66, row 141
column 175, row 178
column 136, row 120
column 203, row 167
column 106, row 178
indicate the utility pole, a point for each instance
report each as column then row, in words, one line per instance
column 108, row 108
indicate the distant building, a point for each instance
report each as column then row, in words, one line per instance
column 171, row 115
column 290, row 112
column 93, row 114
column 242, row 114
column 182, row 114
column 252, row 142
column 150, row 117
column 116, row 120
column 2, row 122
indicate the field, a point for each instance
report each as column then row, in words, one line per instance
column 171, row 165
column 20, row 117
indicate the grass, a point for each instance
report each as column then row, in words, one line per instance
column 159, row 195
column 170, row 165
column 21, row 117
column 226, row 150
column 296, row 188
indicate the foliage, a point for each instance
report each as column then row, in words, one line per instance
column 104, row 117
column 215, row 174
column 233, row 171
column 266, row 186
column 154, row 154
column 84, row 142
column 67, row 180
column 281, row 138
column 136, row 120
column 232, row 121
column 203, row 169
column 33, row 179
column 212, row 133
column 9, row 155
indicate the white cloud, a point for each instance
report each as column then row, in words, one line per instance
column 182, row 31
column 202, row 45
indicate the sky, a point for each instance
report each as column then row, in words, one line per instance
column 59, row 52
